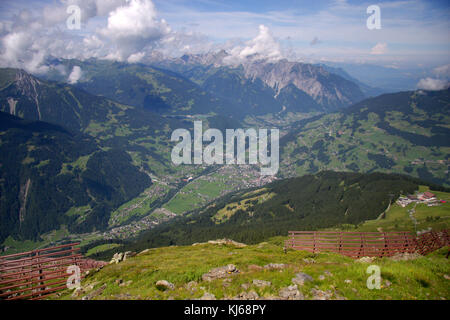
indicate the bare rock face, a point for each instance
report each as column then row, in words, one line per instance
column 220, row 273
column 325, row 88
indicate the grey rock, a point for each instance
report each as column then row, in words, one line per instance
column 252, row 295
column 291, row 293
column 95, row 293
column 321, row 295
column 261, row 283
column 301, row 278
column 220, row 273
column 366, row 259
column 275, row 266
column 164, row 285
column 208, row 296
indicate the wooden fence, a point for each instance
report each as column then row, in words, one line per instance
column 40, row 273
column 371, row 244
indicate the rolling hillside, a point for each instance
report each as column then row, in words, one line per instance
column 406, row 132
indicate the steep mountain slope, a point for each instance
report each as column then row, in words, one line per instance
column 135, row 136
column 406, row 132
column 142, row 133
column 368, row 91
column 157, row 90
column 47, row 170
column 329, row 90
column 246, row 96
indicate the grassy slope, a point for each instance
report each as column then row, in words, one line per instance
column 422, row 278
column 397, row 218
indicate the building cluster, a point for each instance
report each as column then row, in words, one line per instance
column 427, row 198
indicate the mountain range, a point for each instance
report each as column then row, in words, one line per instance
column 72, row 154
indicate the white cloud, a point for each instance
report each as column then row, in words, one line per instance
column 75, row 75
column 263, row 46
column 379, row 48
column 128, row 31
column 442, row 71
column 131, row 28
column 433, row 84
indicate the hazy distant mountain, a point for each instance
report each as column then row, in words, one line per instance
column 387, row 78
column 368, row 91
column 330, row 91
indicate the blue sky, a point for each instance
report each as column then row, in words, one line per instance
column 413, row 33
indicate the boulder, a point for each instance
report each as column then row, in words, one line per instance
column 274, row 266
column 291, row 293
column 118, row 257
column 261, row 283
column 164, row 285
column 301, row 278
column 366, row 259
column 192, row 286
column 95, row 293
column 208, row 296
column 128, row 254
column 252, row 295
column 321, row 295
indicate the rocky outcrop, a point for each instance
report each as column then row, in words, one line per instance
column 261, row 283
column 252, row 295
column 220, row 273
column 120, row 256
column 291, row 293
column 221, row 242
column 275, row 266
